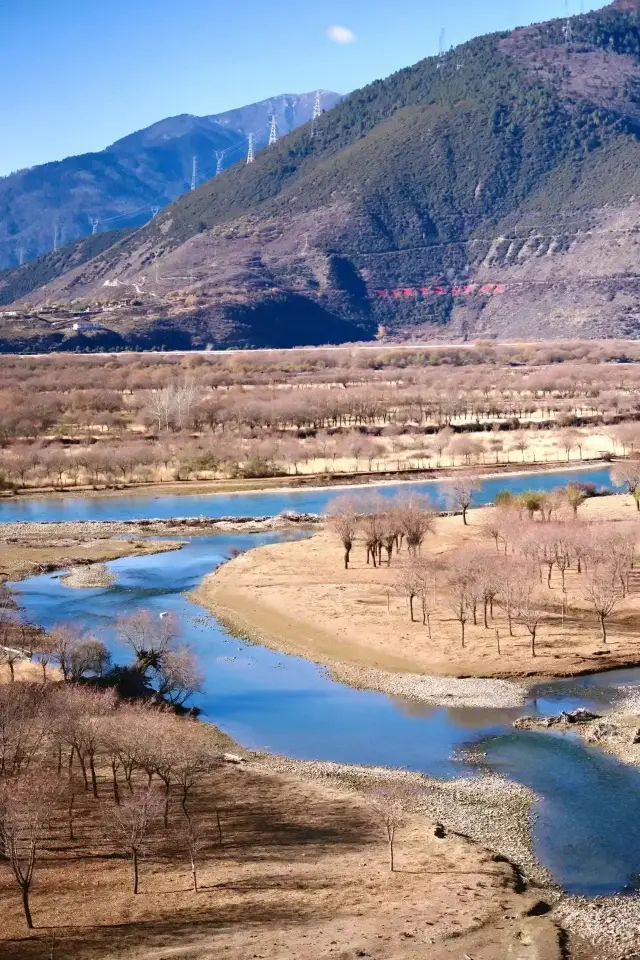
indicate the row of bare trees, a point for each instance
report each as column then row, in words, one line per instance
column 539, row 540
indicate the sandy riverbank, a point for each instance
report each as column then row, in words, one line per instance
column 297, row 597
column 495, row 814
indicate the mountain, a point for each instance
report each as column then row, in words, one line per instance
column 120, row 186
column 491, row 192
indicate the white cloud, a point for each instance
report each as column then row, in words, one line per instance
column 341, row 34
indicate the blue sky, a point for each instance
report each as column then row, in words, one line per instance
column 76, row 75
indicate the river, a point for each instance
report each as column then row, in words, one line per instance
column 270, row 502
column 586, row 830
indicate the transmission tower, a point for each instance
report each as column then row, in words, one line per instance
column 21, row 255
column 251, row 153
column 441, row 54
column 317, row 113
column 94, row 224
column 56, row 234
column 219, row 157
column 567, row 30
column 273, row 130
column 194, row 173
column 317, row 106
column 154, row 212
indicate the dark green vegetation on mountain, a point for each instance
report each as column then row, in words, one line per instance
column 514, row 160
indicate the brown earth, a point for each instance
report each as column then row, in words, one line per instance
column 298, row 598
column 303, row 874
column 24, row 559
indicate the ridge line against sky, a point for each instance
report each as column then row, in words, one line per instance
column 78, row 76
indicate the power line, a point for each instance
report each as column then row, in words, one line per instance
column 250, row 152
column 194, row 173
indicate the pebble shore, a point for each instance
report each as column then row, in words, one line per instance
column 488, row 808
column 90, row 576
column 497, row 814
column 74, row 531
column 444, row 691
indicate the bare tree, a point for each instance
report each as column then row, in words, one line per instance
column 195, row 840
column 492, row 528
column 81, row 715
column 64, row 640
column 148, row 635
column 10, row 656
column 129, row 823
column 627, row 475
column 415, row 516
column 529, row 610
column 390, row 805
column 342, row 516
column 26, row 806
column 178, row 676
column 373, row 523
column 601, row 588
column 461, row 584
column 407, row 584
column 25, row 721
column 460, row 494
column 44, row 653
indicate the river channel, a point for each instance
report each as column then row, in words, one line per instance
column 586, row 829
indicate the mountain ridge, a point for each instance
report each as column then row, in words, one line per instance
column 120, row 185
column 491, row 192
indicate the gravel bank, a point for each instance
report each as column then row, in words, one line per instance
column 445, row 691
column 93, row 575
column 612, row 924
column 490, row 809
column 73, row 531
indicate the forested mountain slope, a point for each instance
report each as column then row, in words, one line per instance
column 494, row 192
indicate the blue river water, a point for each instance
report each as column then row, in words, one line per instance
column 586, row 829
column 267, row 503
